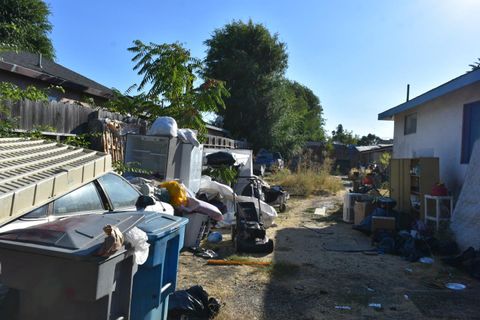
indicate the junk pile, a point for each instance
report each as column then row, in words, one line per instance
column 395, row 233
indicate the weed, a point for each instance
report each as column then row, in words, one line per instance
column 308, row 180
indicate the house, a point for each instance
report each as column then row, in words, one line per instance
column 444, row 123
column 372, row 154
column 24, row 69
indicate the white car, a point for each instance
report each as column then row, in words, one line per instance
column 107, row 193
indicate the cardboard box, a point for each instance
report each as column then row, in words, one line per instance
column 361, row 210
column 385, row 223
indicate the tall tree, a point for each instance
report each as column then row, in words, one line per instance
column 24, row 26
column 168, row 86
column 252, row 62
column 344, row 136
column 369, row 140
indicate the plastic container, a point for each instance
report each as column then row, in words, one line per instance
column 198, row 225
column 57, row 276
column 156, row 279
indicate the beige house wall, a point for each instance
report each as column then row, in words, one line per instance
column 438, row 134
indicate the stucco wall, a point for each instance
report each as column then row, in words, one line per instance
column 439, row 134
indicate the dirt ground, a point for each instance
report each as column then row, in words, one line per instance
column 308, row 279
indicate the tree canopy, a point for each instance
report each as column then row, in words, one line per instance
column 344, row 136
column 369, row 140
column 168, row 86
column 264, row 107
column 24, row 26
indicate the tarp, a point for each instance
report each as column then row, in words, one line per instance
column 466, row 216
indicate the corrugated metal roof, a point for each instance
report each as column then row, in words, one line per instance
column 33, row 172
column 450, row 86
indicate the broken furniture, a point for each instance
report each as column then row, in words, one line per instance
column 443, row 209
column 410, row 180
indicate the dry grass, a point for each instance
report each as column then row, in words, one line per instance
column 308, row 180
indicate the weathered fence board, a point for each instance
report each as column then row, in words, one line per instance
column 65, row 118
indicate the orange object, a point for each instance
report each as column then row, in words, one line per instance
column 178, row 195
column 239, row 263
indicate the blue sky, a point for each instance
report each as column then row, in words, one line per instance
column 357, row 56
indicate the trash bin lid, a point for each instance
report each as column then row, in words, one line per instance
column 78, row 235
column 158, row 225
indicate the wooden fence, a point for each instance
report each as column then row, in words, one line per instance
column 63, row 117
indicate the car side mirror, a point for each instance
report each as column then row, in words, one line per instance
column 144, row 201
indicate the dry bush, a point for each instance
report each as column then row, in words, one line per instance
column 309, row 179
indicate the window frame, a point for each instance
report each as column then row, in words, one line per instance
column 466, row 151
column 107, row 195
column 77, row 213
column 405, row 123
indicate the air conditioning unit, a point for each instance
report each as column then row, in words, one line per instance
column 348, row 205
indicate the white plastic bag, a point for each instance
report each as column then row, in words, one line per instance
column 189, row 136
column 164, row 126
column 138, row 239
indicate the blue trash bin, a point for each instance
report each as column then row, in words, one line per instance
column 156, row 279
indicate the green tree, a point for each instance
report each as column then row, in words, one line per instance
column 344, row 136
column 24, row 26
column 168, row 86
column 475, row 65
column 252, row 62
column 369, row 140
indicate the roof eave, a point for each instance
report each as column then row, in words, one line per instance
column 467, row 79
column 34, row 74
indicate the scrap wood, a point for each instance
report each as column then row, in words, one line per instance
column 239, row 263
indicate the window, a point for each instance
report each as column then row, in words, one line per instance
column 39, row 213
column 82, row 200
column 410, row 123
column 470, row 129
column 120, row 192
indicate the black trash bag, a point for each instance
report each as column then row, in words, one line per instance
column 193, row 303
column 220, row 158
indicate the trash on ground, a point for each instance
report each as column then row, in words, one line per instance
column 426, row 260
column 408, row 270
column 375, row 305
column 343, row 307
column 406, row 297
column 455, row 286
column 322, row 211
column 205, row 253
column 239, row 263
column 215, row 237
column 193, row 302
column 370, row 289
